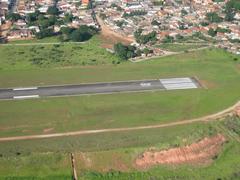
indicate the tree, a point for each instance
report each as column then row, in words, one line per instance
column 143, row 39
column 53, row 10
column 68, row 17
column 230, row 15
column 44, row 33
column 204, row 23
column 212, row 32
column 233, row 5
column 121, row 51
column 83, row 33
column 32, row 17
column 231, row 8
column 213, row 17
column 124, row 52
column 146, row 51
column 168, row 39
column 13, row 16
column 184, row 12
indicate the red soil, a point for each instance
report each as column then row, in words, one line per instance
column 200, row 152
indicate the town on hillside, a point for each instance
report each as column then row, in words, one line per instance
column 142, row 23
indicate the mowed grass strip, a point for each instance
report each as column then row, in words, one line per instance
column 180, row 47
column 216, row 69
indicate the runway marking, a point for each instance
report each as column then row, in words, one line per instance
column 145, row 84
column 26, row 97
column 178, row 83
column 27, row 88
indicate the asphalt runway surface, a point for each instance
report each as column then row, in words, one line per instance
column 99, row 88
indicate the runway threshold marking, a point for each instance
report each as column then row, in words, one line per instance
column 26, row 97
column 178, row 83
column 24, row 89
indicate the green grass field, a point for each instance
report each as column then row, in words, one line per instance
column 58, row 55
column 49, row 158
column 215, row 68
column 180, row 47
column 53, row 39
column 111, row 155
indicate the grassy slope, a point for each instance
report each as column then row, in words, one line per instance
column 226, row 166
column 216, row 68
column 115, row 151
column 33, row 158
column 162, row 137
column 35, row 56
column 53, row 39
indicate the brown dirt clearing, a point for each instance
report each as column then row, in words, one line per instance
column 109, row 37
column 201, row 152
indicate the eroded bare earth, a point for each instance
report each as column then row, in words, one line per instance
column 201, row 152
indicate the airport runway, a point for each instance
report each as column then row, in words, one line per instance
column 100, row 88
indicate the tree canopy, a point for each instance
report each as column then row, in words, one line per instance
column 124, row 52
column 213, row 17
column 53, row 10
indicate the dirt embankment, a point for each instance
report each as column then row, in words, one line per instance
column 201, row 152
column 110, row 37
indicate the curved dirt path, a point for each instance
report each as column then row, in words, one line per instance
column 84, row 132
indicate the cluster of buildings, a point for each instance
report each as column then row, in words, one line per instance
column 170, row 18
column 22, row 29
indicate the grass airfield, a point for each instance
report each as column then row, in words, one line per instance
column 217, row 70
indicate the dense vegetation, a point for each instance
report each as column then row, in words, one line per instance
column 83, row 33
column 143, row 39
column 213, row 17
column 54, row 55
column 125, row 51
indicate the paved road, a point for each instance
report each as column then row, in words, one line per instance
column 99, row 88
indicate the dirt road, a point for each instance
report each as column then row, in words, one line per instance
column 84, row 132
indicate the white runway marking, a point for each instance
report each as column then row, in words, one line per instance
column 176, row 80
column 26, row 97
column 23, row 89
column 180, row 86
column 178, row 83
column 145, row 84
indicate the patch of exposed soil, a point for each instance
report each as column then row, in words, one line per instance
column 48, row 130
column 197, row 153
column 110, row 37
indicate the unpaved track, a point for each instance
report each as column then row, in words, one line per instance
column 212, row 117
